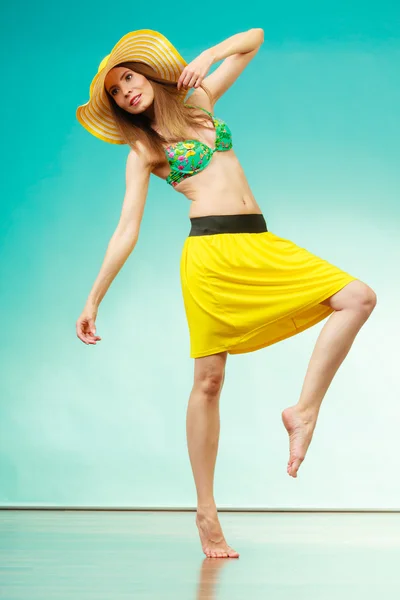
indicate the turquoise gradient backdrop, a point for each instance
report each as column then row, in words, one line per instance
column 315, row 120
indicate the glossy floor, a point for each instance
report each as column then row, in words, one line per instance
column 157, row 555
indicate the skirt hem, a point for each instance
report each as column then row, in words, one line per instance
column 231, row 347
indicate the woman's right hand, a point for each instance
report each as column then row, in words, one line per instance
column 85, row 326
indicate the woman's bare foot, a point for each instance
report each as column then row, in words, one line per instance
column 300, row 428
column 212, row 539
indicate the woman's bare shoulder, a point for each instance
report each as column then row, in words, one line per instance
column 141, row 154
column 200, row 98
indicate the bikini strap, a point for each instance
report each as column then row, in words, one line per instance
column 201, row 108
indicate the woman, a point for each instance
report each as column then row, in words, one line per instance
column 243, row 287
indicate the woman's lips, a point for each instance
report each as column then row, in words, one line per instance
column 136, row 99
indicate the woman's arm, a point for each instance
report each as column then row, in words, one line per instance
column 240, row 43
column 237, row 51
column 123, row 241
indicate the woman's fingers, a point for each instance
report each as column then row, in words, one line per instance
column 90, row 337
column 193, row 80
column 188, row 79
column 196, row 70
column 84, row 331
column 92, row 331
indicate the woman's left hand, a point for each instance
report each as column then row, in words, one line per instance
column 194, row 73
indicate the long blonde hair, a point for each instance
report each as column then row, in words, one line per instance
column 169, row 110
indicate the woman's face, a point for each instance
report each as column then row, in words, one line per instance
column 125, row 85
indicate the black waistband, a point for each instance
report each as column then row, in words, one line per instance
column 212, row 224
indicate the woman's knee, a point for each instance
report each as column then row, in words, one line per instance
column 209, row 374
column 365, row 299
column 356, row 295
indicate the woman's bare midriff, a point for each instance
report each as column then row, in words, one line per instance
column 220, row 189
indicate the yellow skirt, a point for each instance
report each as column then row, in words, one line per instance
column 246, row 291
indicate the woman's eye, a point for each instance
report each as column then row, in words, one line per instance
column 115, row 89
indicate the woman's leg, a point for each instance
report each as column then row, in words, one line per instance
column 203, row 427
column 353, row 305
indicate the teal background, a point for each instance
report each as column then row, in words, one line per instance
column 316, row 127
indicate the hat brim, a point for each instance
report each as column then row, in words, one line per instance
column 143, row 45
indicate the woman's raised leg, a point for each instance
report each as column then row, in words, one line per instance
column 202, row 428
column 352, row 305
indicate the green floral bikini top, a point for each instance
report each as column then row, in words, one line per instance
column 189, row 157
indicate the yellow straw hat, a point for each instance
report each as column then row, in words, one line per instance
column 143, row 45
